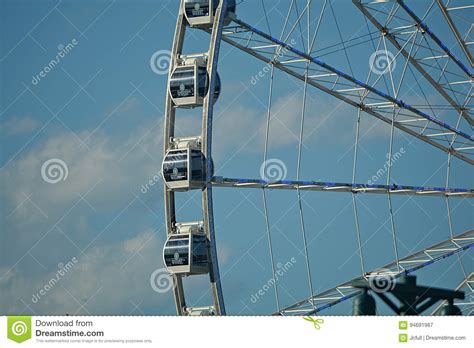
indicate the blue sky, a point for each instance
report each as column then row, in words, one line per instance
column 100, row 111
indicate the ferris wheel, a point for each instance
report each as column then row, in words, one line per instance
column 288, row 43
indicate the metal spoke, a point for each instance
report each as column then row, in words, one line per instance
column 264, row 196
column 219, row 181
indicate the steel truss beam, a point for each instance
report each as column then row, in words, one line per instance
column 398, row 36
column 407, row 265
column 427, row 30
column 342, row 187
column 466, row 305
column 350, row 90
column 459, row 37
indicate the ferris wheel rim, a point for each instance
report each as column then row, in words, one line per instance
column 206, row 142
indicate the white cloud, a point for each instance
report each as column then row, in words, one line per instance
column 326, row 121
column 19, row 125
column 105, row 280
